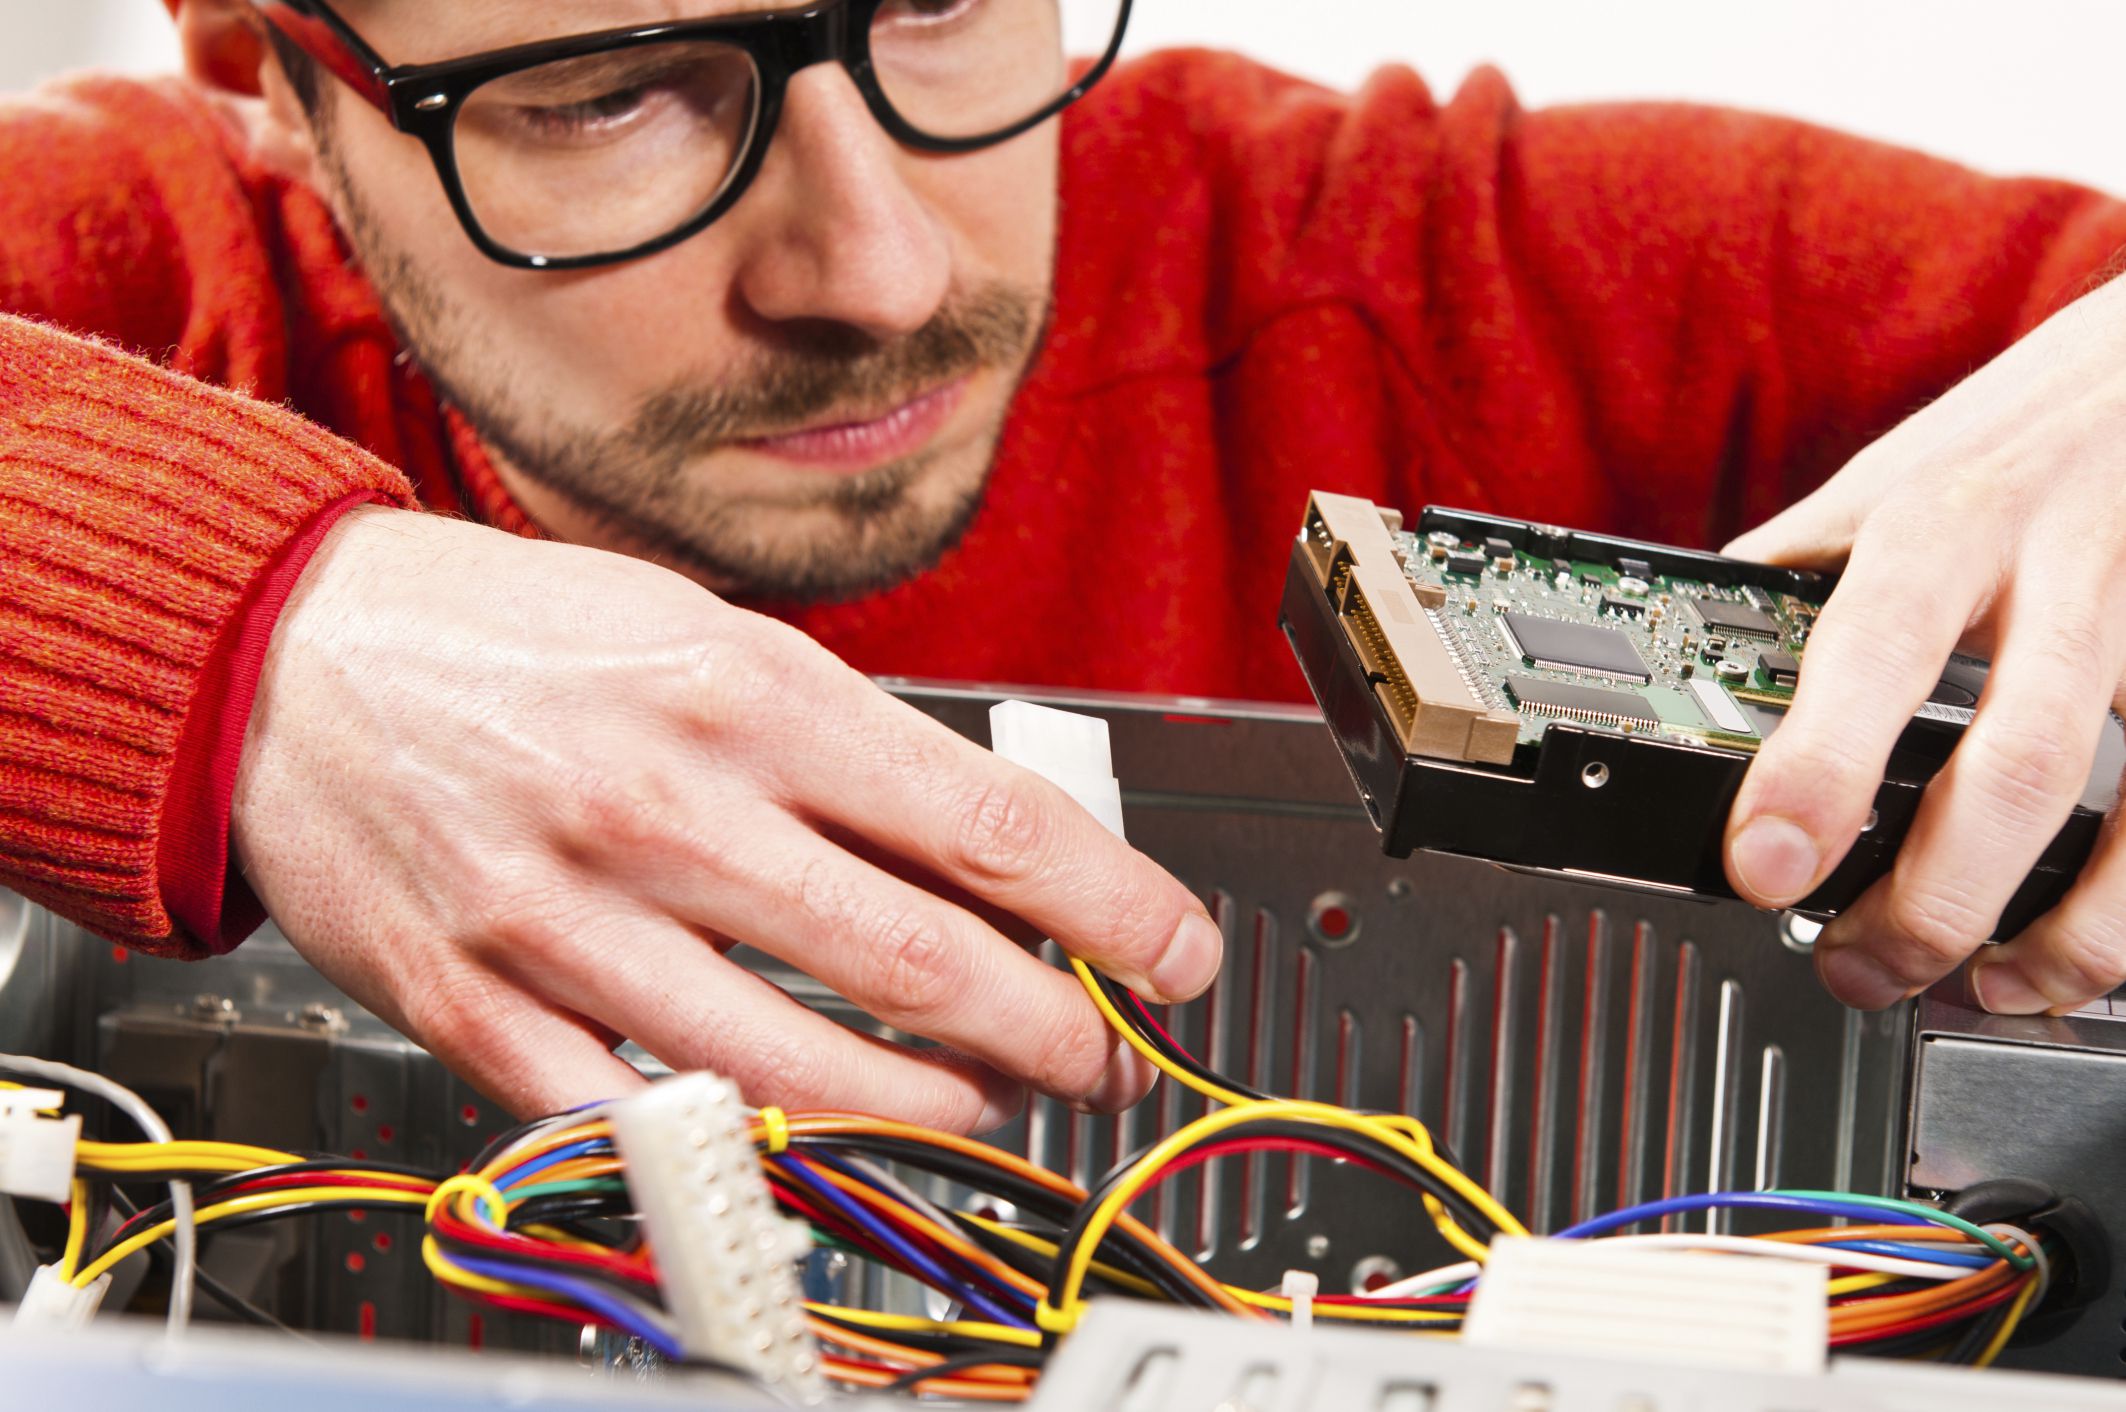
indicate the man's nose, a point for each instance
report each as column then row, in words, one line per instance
column 832, row 229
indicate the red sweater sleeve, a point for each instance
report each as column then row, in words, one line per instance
column 137, row 510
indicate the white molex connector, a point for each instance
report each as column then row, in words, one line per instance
column 724, row 1256
column 51, row 1303
column 36, row 1150
column 1613, row 1300
column 1064, row 748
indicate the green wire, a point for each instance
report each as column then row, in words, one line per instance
column 1933, row 1214
column 526, row 1193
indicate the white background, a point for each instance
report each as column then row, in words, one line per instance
column 2029, row 87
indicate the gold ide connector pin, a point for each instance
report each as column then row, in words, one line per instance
column 1416, row 676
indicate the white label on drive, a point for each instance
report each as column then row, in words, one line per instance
column 1720, row 706
column 1935, row 711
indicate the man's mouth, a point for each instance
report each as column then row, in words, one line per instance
column 848, row 447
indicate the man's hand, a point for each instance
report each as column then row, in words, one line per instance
column 1995, row 518
column 520, row 798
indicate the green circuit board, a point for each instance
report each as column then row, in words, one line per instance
column 1609, row 646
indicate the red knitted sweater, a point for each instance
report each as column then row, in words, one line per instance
column 1662, row 320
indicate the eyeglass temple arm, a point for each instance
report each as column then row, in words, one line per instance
column 313, row 28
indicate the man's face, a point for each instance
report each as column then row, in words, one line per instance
column 803, row 400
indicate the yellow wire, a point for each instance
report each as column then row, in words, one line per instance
column 77, row 1229
column 236, row 1206
column 441, row 1267
column 2007, row 1329
column 908, row 1323
column 1143, row 1046
column 1851, row 1284
column 1364, row 1313
column 159, row 1156
column 1461, row 1240
column 1027, row 1240
column 1063, row 1306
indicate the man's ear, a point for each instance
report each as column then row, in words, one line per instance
column 226, row 50
column 222, row 45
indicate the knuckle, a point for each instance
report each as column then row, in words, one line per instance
column 1820, row 769
column 1074, row 1058
column 461, row 1011
column 1003, row 833
column 2029, row 772
column 1938, row 930
column 515, row 910
column 2090, row 959
column 772, row 1065
column 913, row 969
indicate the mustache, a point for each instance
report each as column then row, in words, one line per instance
column 834, row 366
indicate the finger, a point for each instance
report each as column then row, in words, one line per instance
column 922, row 965
column 666, row 989
column 1017, row 841
column 1874, row 656
column 2072, row 954
column 524, row 1053
column 1815, row 533
column 1987, row 817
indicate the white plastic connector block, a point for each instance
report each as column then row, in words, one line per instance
column 724, row 1256
column 1657, row 1306
column 51, row 1303
column 36, row 1151
column 1064, row 748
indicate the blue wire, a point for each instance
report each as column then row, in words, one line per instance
column 582, row 1292
column 559, row 1154
column 848, row 1170
column 886, row 1236
column 1750, row 1200
column 1932, row 1253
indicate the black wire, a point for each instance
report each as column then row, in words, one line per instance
column 1354, row 1144
column 1121, row 1249
column 204, row 1192
column 163, row 1258
column 1001, row 1358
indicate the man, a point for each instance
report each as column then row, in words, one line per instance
column 857, row 354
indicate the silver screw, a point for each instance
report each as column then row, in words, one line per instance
column 1317, row 1246
column 215, row 1009
column 321, row 1018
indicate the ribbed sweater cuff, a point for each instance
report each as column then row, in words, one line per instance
column 137, row 508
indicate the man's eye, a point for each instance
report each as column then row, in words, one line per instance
column 918, row 12
column 587, row 117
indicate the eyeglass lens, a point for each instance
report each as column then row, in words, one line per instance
column 607, row 151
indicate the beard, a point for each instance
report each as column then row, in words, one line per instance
column 643, row 482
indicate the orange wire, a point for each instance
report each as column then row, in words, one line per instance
column 1914, row 1235
column 831, row 1332
column 951, row 1240
column 1894, row 1308
column 963, row 1389
column 827, row 1124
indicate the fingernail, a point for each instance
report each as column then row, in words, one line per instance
column 1000, row 1109
column 1774, row 860
column 1190, row 962
column 1127, row 1080
column 2000, row 989
column 1857, row 978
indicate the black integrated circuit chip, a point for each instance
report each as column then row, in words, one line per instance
column 1736, row 618
column 1575, row 647
column 1598, row 705
column 1782, row 668
column 1635, row 569
column 1628, row 607
column 1471, row 564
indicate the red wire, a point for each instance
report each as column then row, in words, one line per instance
column 1928, row 1321
column 625, row 1266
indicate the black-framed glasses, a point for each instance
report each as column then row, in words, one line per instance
column 606, row 147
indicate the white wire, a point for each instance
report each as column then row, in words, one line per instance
column 2037, row 1254
column 1746, row 1245
column 186, row 1236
